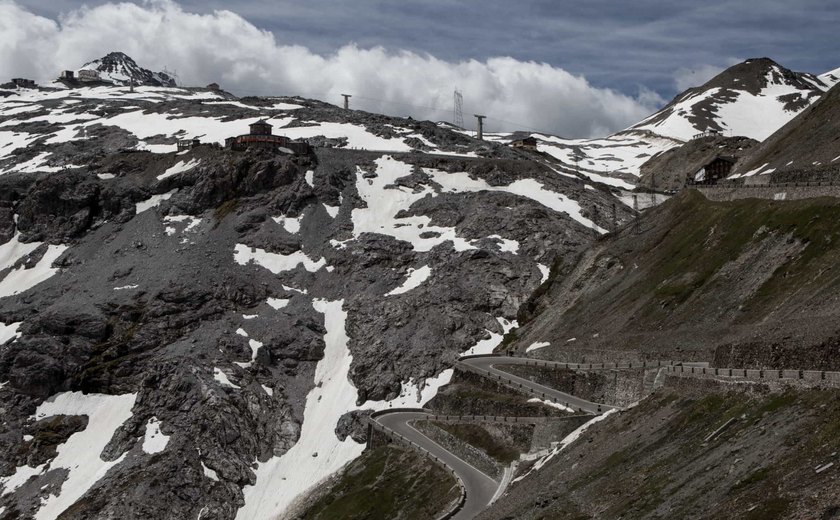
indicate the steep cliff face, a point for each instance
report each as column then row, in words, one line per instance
column 182, row 332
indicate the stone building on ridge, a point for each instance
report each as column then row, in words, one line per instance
column 260, row 135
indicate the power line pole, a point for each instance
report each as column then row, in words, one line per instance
column 652, row 190
column 480, row 126
column 636, row 228
column 347, row 101
column 458, row 116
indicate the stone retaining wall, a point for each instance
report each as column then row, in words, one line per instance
column 807, row 377
column 786, row 191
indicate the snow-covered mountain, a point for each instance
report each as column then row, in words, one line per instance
column 196, row 333
column 831, row 77
column 805, row 148
column 121, row 69
column 751, row 99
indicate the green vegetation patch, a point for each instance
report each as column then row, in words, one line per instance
column 470, row 394
column 387, row 482
column 503, row 450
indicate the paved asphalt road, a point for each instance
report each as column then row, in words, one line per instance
column 489, row 364
column 479, row 487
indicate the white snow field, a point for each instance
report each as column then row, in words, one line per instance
column 14, row 250
column 413, row 280
column 486, row 346
column 179, row 167
column 222, row 379
column 71, row 125
column 154, row 441
column 277, row 303
column 385, row 200
column 20, row 279
column 536, row 346
column 253, row 344
column 528, row 188
column 290, row 224
column 153, row 201
column 80, row 455
column 276, row 262
column 600, row 159
column 318, row 453
column 9, row 331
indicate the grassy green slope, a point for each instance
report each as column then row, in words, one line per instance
column 386, row 482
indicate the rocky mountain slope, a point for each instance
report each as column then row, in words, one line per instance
column 194, row 334
column 751, row 99
column 746, row 283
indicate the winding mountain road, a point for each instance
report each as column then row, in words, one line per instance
column 480, row 489
column 488, row 366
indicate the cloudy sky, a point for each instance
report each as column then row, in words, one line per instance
column 575, row 68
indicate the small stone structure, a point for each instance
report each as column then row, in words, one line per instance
column 260, row 135
column 528, row 143
column 707, row 133
column 188, row 144
column 23, row 83
column 718, row 169
column 67, row 74
column 213, row 86
column 87, row 75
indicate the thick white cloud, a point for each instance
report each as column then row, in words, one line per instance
column 244, row 59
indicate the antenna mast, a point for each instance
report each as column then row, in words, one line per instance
column 458, row 116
